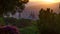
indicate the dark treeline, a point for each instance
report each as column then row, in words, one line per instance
column 49, row 22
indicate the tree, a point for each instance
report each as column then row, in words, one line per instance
column 47, row 21
column 10, row 6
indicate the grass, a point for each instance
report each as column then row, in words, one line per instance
column 29, row 30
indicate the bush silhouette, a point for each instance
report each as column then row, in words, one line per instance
column 49, row 22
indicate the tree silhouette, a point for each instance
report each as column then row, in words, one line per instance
column 48, row 21
column 10, row 6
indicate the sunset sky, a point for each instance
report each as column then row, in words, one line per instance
column 36, row 5
column 45, row 1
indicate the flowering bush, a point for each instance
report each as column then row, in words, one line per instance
column 9, row 30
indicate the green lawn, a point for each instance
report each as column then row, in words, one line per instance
column 29, row 30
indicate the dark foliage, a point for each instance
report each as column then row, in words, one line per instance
column 48, row 21
column 8, row 30
column 10, row 6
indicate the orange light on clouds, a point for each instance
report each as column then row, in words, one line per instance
column 46, row 1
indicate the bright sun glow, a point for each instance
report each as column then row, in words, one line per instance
column 46, row 1
column 49, row 1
